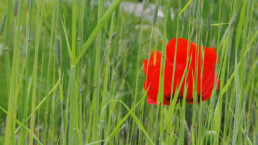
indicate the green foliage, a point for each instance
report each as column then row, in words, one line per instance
column 71, row 73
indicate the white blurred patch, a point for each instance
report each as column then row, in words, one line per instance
column 210, row 132
column 137, row 9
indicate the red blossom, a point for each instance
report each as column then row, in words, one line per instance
column 185, row 51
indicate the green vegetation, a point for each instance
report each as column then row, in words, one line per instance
column 71, row 73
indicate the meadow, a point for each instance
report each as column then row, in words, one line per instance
column 71, row 72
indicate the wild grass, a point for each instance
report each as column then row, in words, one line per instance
column 72, row 72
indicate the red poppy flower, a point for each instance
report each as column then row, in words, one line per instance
column 185, row 50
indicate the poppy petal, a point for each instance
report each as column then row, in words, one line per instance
column 208, row 81
column 184, row 51
column 145, row 65
column 210, row 56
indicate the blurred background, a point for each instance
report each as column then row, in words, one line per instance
column 130, row 34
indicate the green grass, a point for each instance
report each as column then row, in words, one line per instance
column 71, row 73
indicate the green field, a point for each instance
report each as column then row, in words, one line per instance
column 71, row 72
